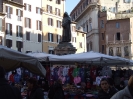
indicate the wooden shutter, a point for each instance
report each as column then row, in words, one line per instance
column 50, row 9
column 10, row 29
column 36, row 24
column 51, row 22
column 40, row 25
column 25, row 6
column 17, row 31
column 25, row 22
column 41, row 10
column 57, row 23
column 21, row 13
column 57, row 38
column 36, row 9
column 48, row 36
column 17, row 12
column 30, row 22
column 52, row 37
column 11, row 10
column 47, row 8
column 6, row 8
column 6, row 28
column 30, row 7
column 3, row 24
column 21, row 31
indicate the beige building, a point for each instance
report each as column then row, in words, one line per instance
column 52, row 16
column 78, row 38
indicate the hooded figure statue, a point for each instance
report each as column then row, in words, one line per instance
column 66, row 22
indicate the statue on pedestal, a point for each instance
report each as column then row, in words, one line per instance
column 66, row 24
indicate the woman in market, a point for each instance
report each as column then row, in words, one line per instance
column 106, row 91
column 127, row 92
column 34, row 92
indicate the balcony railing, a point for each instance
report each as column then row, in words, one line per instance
column 119, row 41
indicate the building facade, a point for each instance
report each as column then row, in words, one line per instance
column 53, row 11
column 78, row 38
column 13, row 36
column 86, row 15
column 2, row 24
column 32, row 26
column 119, row 37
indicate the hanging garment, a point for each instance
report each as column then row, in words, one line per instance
column 60, row 71
column 93, row 73
column 75, row 72
column 17, row 78
column 70, row 71
column 82, row 74
column 56, row 73
column 65, row 71
column 77, row 80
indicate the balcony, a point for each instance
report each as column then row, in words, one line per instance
column 117, row 42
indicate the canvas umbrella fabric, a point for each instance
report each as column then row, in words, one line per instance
column 11, row 59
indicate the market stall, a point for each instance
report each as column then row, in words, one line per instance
column 11, row 59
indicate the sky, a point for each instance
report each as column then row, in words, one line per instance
column 70, row 4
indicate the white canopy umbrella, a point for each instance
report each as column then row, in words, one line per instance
column 41, row 56
column 90, row 57
column 11, row 59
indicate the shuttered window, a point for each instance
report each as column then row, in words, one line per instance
column 38, row 25
column 50, row 21
column 50, row 37
column 19, row 31
column 28, row 36
column 27, row 7
column 28, row 22
column 8, row 28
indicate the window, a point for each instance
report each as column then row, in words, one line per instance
column 117, row 25
column 58, row 38
column 39, row 38
column 50, row 37
column 28, row 36
column 9, row 11
column 27, row 7
column 102, row 48
column 58, row 1
column 9, row 28
column 50, row 21
column 88, row 47
column 91, row 46
column 111, row 51
column 19, row 14
column 38, row 25
column 80, row 45
column 19, row 45
column 49, row 9
column 102, row 24
column 90, row 26
column 73, row 28
column 102, row 36
column 118, row 51
column 19, row 31
column 38, row 10
column 8, row 43
column 28, row 22
column 87, row 28
column 0, row 24
column 51, row 52
column 57, row 11
column 118, row 36
column 58, row 24
column 0, row 40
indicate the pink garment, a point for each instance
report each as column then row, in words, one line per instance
column 63, row 79
column 77, row 80
column 60, row 71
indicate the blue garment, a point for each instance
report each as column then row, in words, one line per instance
column 67, row 79
column 56, row 73
column 82, row 74
column 17, row 78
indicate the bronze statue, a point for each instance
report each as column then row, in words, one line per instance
column 66, row 24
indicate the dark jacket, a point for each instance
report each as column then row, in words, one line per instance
column 56, row 92
column 7, row 91
column 36, row 93
column 103, row 95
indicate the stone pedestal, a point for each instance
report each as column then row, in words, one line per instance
column 64, row 48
